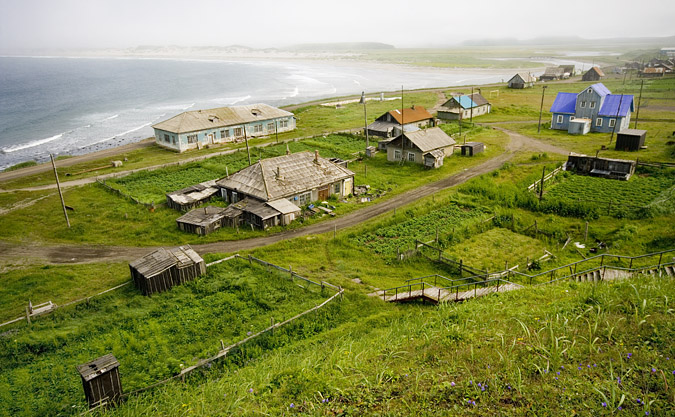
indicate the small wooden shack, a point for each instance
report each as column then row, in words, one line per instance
column 620, row 169
column 593, row 74
column 190, row 197
column 521, row 80
column 630, row 140
column 101, row 381
column 472, row 148
column 164, row 268
column 202, row 221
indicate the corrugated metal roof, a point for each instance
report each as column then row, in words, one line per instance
column 196, row 120
column 525, row 76
column 610, row 107
column 564, row 103
column 411, row 115
column 598, row 71
column 298, row 173
column 600, row 89
column 202, row 216
column 427, row 139
column 478, row 99
column 632, row 132
column 464, row 101
column 283, row 206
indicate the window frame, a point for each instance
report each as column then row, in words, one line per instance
column 560, row 119
column 598, row 122
column 411, row 155
column 397, row 154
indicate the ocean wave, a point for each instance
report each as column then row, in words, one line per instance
column 111, row 117
column 115, row 136
column 32, row 144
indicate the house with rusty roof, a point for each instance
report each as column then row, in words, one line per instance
column 427, row 147
column 522, row 80
column 593, row 109
column 270, row 192
column 389, row 124
column 593, row 74
column 197, row 128
column 462, row 107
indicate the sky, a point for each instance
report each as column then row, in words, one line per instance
column 73, row 24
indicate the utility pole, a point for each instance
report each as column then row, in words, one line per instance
column 541, row 108
column 473, row 102
column 58, row 186
column 248, row 151
column 541, row 186
column 637, row 114
column 616, row 119
column 276, row 130
column 459, row 114
column 365, row 117
column 402, row 137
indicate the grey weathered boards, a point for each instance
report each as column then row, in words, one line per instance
column 101, row 381
column 162, row 269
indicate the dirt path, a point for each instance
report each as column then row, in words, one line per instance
column 87, row 254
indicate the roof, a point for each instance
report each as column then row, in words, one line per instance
column 557, row 71
column 411, row 115
column 610, row 107
column 428, row 139
column 298, row 173
column 464, row 101
column 98, row 366
column 632, row 132
column 162, row 259
column 478, row 99
column 569, row 68
column 600, row 89
column 194, row 193
column 653, row 70
column 473, row 144
column 564, row 103
column 283, row 206
column 202, row 216
column 597, row 70
column 196, row 120
column 436, row 154
column 384, row 126
column 525, row 76
column 261, row 210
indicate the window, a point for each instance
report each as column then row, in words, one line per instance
column 234, row 197
column 224, row 134
column 336, row 188
column 303, row 199
column 237, row 131
column 192, row 138
column 174, row 139
column 559, row 119
column 590, row 90
column 283, row 123
column 397, row 155
column 411, row 157
column 270, row 127
column 571, row 118
column 598, row 122
column 612, row 122
column 592, row 104
column 257, row 129
column 583, row 104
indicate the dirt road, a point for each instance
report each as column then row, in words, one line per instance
column 87, row 254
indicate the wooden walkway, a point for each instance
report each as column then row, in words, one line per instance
column 435, row 295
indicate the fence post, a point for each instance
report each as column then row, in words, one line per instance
column 250, row 260
column 586, row 233
column 27, row 315
column 630, row 266
column 461, row 262
column 602, row 259
column 290, row 270
column 222, row 345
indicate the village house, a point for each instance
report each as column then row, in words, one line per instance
column 270, row 192
column 652, row 72
column 593, row 74
column 593, row 109
column 197, row 128
column 389, row 124
column 552, row 73
column 464, row 107
column 428, row 147
column 522, row 80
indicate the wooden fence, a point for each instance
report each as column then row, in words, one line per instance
column 535, row 185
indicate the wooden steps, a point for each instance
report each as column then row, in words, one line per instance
column 436, row 294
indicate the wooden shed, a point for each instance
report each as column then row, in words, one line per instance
column 620, row 169
column 101, row 381
column 472, row 148
column 630, row 140
column 521, row 80
column 593, row 74
column 190, row 197
column 202, row 221
column 164, row 268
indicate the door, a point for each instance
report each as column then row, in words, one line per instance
column 324, row 193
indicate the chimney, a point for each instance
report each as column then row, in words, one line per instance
column 288, row 151
column 316, row 156
column 278, row 174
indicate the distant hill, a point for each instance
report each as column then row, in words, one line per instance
column 340, row 46
column 569, row 40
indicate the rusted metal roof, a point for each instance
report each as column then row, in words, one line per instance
column 285, row 176
column 196, row 120
column 411, row 115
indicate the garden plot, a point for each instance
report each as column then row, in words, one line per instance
column 494, row 248
column 152, row 337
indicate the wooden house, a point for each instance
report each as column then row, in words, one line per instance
column 298, row 178
column 593, row 74
column 568, row 70
column 652, row 72
column 101, row 381
column 164, row 268
column 202, row 221
column 190, row 197
column 464, row 107
column 630, row 140
column 522, row 80
column 620, row 169
column 605, row 112
column 389, row 124
column 552, row 73
column 428, row 147
column 197, row 128
column 472, row 148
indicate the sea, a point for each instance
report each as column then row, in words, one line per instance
column 72, row 106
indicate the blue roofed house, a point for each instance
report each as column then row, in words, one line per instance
column 464, row 107
column 594, row 109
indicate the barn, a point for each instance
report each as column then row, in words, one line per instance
column 162, row 269
column 630, row 140
column 101, row 381
column 593, row 74
column 190, row 197
column 521, row 80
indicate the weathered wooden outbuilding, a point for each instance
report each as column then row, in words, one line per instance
column 190, row 197
column 101, row 381
column 472, row 148
column 389, row 124
column 522, row 80
column 428, row 147
column 552, row 73
column 630, row 140
column 652, row 72
column 165, row 268
column 620, row 169
column 202, row 221
column 593, row 74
